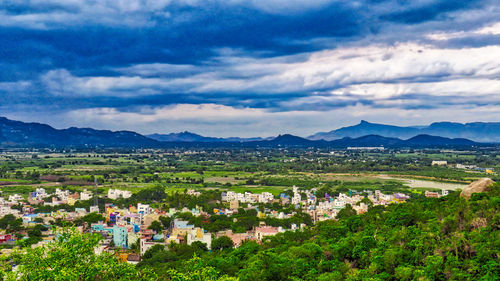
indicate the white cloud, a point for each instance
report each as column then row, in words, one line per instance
column 217, row 120
column 492, row 29
column 402, row 76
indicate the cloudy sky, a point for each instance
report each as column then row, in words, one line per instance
column 248, row 68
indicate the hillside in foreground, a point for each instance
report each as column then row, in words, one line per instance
column 447, row 238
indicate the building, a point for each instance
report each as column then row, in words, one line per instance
column 5, row 237
column 143, row 209
column 237, row 238
column 146, row 245
column 120, row 236
column 431, row 194
column 263, row 231
column 234, row 205
column 116, row 193
column 199, row 235
column 133, row 258
column 439, row 163
column 85, row 195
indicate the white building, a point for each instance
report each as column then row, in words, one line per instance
column 145, row 245
column 14, row 198
column 62, row 194
column 6, row 210
column 86, row 195
column 116, row 193
column 143, row 209
column 198, row 234
column 266, row 197
column 192, row 192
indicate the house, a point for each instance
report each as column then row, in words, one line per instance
column 263, row 231
column 132, row 238
column 439, row 163
column 265, row 197
column 120, row 236
column 234, row 205
column 29, row 218
column 133, row 258
column 237, row 238
column 198, row 234
column 14, row 198
column 5, row 237
column 143, row 209
column 116, row 193
column 85, row 195
column 146, row 233
column 192, row 192
column 150, row 218
column 146, row 245
column 431, row 194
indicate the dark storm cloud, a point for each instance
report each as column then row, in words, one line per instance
column 277, row 56
column 429, row 10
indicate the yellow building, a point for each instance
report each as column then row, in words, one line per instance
column 233, row 205
column 148, row 219
column 71, row 201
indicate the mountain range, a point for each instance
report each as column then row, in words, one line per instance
column 477, row 131
column 17, row 133
column 21, row 134
column 192, row 137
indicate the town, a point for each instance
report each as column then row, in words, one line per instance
column 141, row 227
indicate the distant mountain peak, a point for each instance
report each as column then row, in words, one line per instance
column 17, row 133
column 477, row 131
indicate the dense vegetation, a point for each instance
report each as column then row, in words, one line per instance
column 425, row 239
column 446, row 238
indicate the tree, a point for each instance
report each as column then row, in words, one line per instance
column 197, row 271
column 346, row 212
column 166, row 221
column 156, row 193
column 222, row 243
column 92, row 218
column 156, row 226
column 72, row 257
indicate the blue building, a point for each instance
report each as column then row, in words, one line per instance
column 120, row 236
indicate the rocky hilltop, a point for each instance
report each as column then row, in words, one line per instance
column 477, row 186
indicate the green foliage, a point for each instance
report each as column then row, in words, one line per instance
column 197, row 271
column 91, row 218
column 222, row 243
column 156, row 226
column 11, row 223
column 445, row 238
column 156, row 193
column 72, row 257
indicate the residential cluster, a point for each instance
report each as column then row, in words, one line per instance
column 324, row 208
column 464, row 167
column 126, row 228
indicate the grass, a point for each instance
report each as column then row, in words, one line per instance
column 275, row 190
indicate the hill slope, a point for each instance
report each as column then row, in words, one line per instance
column 16, row 133
column 478, row 131
column 20, row 134
column 192, row 137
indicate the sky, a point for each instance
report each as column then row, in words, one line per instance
column 248, row 68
